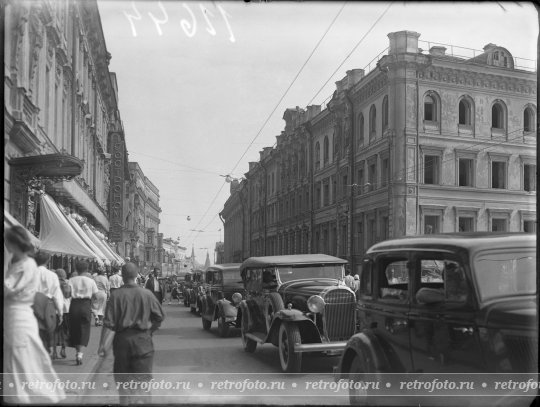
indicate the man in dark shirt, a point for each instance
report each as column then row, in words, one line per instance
column 156, row 286
column 133, row 313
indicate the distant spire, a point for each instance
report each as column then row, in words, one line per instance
column 207, row 262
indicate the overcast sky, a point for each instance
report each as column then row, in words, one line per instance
column 193, row 96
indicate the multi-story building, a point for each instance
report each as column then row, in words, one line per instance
column 62, row 130
column 173, row 257
column 425, row 142
column 143, row 242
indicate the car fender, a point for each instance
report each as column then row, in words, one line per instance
column 308, row 330
column 226, row 308
column 384, row 358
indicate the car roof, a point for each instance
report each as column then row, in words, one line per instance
column 470, row 241
column 224, row 267
column 293, row 259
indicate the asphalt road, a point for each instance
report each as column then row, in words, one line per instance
column 193, row 366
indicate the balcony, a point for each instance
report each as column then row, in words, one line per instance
column 23, row 132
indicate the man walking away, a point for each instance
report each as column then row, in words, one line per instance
column 133, row 313
column 49, row 285
column 83, row 288
column 115, row 280
column 154, row 285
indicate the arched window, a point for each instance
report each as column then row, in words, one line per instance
column 360, row 129
column 529, row 122
column 317, row 155
column 430, row 108
column 465, row 112
column 497, row 116
column 385, row 113
column 326, row 148
column 372, row 122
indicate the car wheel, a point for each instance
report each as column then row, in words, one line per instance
column 274, row 304
column 249, row 344
column 223, row 327
column 289, row 335
column 360, row 368
column 206, row 324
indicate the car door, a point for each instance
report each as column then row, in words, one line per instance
column 444, row 335
column 385, row 310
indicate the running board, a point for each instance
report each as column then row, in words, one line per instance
column 254, row 337
column 319, row 347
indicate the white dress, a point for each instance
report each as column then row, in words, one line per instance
column 25, row 357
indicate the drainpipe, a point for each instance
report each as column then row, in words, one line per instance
column 417, row 151
column 74, row 61
column 264, row 205
column 307, row 127
column 351, row 176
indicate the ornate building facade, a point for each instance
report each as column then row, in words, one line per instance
column 60, row 111
column 424, row 143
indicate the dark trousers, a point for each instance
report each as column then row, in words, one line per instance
column 80, row 315
column 159, row 296
column 133, row 359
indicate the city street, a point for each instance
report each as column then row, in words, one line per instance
column 185, row 353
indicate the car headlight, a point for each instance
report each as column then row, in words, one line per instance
column 236, row 298
column 315, row 303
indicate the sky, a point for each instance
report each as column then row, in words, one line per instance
column 198, row 80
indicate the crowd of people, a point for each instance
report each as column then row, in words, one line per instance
column 46, row 312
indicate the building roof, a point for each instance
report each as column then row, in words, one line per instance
column 293, row 259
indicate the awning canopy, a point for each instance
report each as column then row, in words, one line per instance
column 111, row 255
column 52, row 166
column 58, row 236
column 87, row 240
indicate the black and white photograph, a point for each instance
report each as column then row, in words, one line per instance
column 270, row 203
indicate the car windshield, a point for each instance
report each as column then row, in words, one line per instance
column 505, row 273
column 310, row 272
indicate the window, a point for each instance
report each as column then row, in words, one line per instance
column 317, row 197
column 359, row 237
column 465, row 224
column 384, row 172
column 529, row 226
column 498, row 174
column 334, row 189
column 394, row 280
column 431, row 169
column 466, row 172
column 372, row 122
column 431, row 224
column 430, row 112
column 529, row 123
column 326, row 147
column 529, row 177
column 326, row 194
column 360, row 180
column 360, row 129
column 384, row 227
column 465, row 112
column 499, row 225
column 371, row 231
column 385, row 113
column 497, row 116
column 317, row 155
column 372, row 175
column 441, row 280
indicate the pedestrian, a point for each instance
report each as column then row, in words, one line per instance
column 175, row 294
column 133, row 313
column 356, row 283
column 115, row 280
column 62, row 332
column 156, row 286
column 50, row 311
column 100, row 299
column 83, row 288
column 25, row 359
column 349, row 280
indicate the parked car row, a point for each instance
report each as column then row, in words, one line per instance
column 432, row 304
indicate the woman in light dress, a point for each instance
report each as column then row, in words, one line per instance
column 25, row 357
column 100, row 299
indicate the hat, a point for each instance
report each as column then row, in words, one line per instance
column 356, row 277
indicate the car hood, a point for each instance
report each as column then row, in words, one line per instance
column 307, row 287
column 512, row 313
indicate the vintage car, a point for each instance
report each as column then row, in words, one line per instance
column 194, row 293
column 298, row 303
column 448, row 303
column 221, row 297
column 186, row 286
